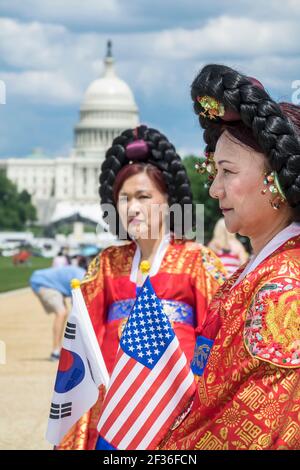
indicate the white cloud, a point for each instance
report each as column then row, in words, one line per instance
column 230, row 36
column 47, row 58
column 276, row 73
column 144, row 14
column 288, row 9
column 168, row 60
column 47, row 62
column 61, row 11
column 41, row 87
column 154, row 64
column 32, row 45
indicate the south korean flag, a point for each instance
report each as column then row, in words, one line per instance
column 81, row 371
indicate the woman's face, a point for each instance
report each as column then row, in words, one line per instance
column 142, row 207
column 238, row 185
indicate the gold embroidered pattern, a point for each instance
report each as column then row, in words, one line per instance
column 253, row 396
column 209, row 442
column 204, row 267
column 232, row 416
column 283, row 320
column 246, row 402
column 292, row 434
column 93, row 270
column 272, row 329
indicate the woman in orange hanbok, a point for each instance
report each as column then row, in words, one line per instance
column 142, row 176
column 247, row 358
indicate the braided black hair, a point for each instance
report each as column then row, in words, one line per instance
column 162, row 155
column 273, row 128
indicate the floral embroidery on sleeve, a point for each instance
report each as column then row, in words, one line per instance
column 272, row 327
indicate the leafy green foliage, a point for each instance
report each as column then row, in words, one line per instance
column 16, row 209
column 201, row 196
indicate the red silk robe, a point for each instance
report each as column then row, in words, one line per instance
column 187, row 279
column 249, row 394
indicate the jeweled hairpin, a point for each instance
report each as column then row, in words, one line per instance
column 212, row 108
column 207, row 165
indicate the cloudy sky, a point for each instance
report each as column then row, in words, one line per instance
column 50, row 51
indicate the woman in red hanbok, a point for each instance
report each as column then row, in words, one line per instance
column 247, row 358
column 142, row 171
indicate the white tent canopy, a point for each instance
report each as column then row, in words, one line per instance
column 66, row 210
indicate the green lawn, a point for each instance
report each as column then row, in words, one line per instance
column 14, row 277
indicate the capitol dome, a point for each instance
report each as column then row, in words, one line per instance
column 108, row 108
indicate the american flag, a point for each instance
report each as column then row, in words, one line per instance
column 151, row 383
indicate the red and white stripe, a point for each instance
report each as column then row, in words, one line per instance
column 141, row 403
column 231, row 262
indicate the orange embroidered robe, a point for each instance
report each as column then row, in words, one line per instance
column 249, row 394
column 187, row 279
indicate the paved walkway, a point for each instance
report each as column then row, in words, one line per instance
column 26, row 380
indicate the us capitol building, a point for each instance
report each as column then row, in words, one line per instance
column 67, row 185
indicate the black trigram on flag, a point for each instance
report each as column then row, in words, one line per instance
column 70, row 331
column 60, row 411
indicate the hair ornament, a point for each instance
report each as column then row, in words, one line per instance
column 212, row 108
column 272, row 184
column 207, row 165
column 137, row 150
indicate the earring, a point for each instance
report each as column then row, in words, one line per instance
column 272, row 184
column 276, row 204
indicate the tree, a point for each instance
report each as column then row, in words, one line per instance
column 16, row 208
column 200, row 196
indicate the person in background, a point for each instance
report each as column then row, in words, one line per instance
column 52, row 287
column 228, row 248
column 83, row 262
column 21, row 258
column 60, row 260
column 141, row 177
